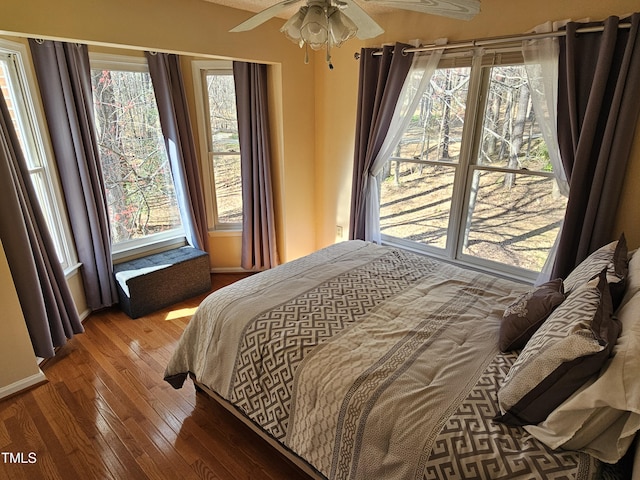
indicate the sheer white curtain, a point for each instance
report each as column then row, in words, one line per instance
column 415, row 85
column 541, row 64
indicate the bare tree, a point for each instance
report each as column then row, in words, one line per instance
column 517, row 133
column 135, row 166
column 444, row 125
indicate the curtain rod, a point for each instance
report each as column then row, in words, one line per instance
column 495, row 40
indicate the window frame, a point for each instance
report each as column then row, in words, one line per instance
column 30, row 109
column 156, row 241
column 480, row 75
column 200, row 69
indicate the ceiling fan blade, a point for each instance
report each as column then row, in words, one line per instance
column 460, row 9
column 261, row 17
column 367, row 27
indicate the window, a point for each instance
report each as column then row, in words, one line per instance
column 141, row 200
column 16, row 88
column 471, row 179
column 219, row 132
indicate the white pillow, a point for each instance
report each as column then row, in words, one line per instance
column 602, row 417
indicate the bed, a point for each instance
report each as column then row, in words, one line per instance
column 362, row 361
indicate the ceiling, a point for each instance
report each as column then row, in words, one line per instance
column 259, row 5
column 249, row 5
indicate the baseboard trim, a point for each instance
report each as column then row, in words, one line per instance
column 22, row 385
column 230, row 270
column 83, row 316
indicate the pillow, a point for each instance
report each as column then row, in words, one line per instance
column 565, row 352
column 523, row 317
column 602, row 418
column 612, row 256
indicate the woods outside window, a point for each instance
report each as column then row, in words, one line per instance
column 220, row 146
column 141, row 199
column 471, row 178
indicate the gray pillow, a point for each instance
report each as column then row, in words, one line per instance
column 613, row 257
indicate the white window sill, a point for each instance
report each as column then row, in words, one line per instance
column 140, row 250
column 72, row 270
column 225, row 233
column 479, row 266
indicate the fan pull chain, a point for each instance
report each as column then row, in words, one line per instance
column 329, row 64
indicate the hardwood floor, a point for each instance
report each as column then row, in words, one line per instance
column 107, row 413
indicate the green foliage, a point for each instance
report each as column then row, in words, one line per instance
column 542, row 151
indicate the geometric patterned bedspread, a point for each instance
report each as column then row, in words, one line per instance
column 482, row 448
column 370, row 363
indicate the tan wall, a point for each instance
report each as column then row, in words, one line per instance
column 337, row 89
column 17, row 360
column 74, row 280
column 627, row 216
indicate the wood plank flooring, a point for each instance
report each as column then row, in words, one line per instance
column 106, row 412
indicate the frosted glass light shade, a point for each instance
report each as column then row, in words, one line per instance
column 319, row 25
column 314, row 27
column 292, row 27
column 341, row 27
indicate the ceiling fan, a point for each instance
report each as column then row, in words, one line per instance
column 330, row 23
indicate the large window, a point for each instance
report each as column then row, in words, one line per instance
column 219, row 130
column 471, row 179
column 140, row 193
column 16, row 88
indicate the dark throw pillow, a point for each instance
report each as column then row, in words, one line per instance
column 523, row 317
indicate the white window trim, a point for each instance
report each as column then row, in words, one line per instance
column 108, row 61
column 199, row 69
column 158, row 241
column 464, row 171
column 140, row 247
column 35, row 111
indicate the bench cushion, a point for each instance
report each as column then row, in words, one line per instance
column 156, row 281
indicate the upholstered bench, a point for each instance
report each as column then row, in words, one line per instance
column 156, row 281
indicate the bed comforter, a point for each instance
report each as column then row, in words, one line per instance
column 370, row 362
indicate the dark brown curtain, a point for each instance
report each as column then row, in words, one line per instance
column 381, row 80
column 168, row 86
column 64, row 78
column 598, row 107
column 259, row 250
column 47, row 304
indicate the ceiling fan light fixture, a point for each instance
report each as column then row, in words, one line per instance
column 319, row 24
column 314, row 30
column 292, row 27
column 341, row 27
